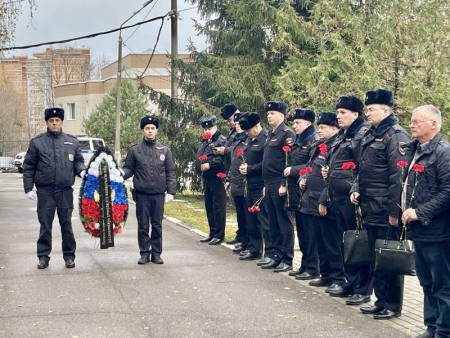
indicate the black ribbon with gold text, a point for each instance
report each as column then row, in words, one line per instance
column 106, row 224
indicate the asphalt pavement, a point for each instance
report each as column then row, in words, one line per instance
column 199, row 291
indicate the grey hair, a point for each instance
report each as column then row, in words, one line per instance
column 432, row 110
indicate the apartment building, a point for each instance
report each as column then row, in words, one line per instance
column 79, row 99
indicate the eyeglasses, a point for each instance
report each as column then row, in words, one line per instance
column 371, row 110
column 416, row 122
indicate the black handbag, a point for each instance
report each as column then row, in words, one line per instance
column 356, row 246
column 396, row 257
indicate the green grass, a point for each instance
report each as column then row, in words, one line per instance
column 184, row 210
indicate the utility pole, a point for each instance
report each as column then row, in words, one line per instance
column 174, row 30
column 119, row 85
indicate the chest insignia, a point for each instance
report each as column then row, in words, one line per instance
column 71, row 157
column 162, row 157
column 378, row 140
column 68, row 143
column 273, row 139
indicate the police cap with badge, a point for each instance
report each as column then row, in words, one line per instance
column 328, row 118
column 208, row 121
column 304, row 114
column 351, row 103
column 278, row 106
column 379, row 96
column 55, row 112
column 149, row 120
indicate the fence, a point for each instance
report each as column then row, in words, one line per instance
column 11, row 148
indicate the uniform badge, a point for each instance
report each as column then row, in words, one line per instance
column 400, row 148
column 289, row 141
column 162, row 157
column 68, row 143
column 71, row 157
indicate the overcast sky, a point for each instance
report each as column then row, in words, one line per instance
column 61, row 19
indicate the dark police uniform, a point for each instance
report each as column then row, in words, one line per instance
column 326, row 231
column 153, row 169
column 238, row 190
column 51, row 163
column 305, row 232
column 215, row 195
column 273, row 165
column 380, row 189
column 346, row 148
column 258, row 225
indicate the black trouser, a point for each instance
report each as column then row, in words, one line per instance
column 242, row 215
column 149, row 209
column 387, row 286
column 306, row 234
column 281, row 226
column 216, row 205
column 61, row 201
column 258, row 226
column 358, row 277
column 329, row 249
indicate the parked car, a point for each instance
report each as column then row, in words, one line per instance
column 18, row 161
column 88, row 146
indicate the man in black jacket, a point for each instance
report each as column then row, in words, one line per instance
column 208, row 165
column 378, row 187
column 51, row 163
column 346, row 148
column 427, row 215
column 258, row 227
column 278, row 144
column 326, row 232
column 153, row 169
column 306, row 135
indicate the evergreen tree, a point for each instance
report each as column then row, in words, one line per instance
column 102, row 122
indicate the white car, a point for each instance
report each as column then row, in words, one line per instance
column 88, row 146
column 18, row 161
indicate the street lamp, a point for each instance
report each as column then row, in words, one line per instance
column 119, row 84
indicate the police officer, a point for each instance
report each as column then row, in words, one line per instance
column 153, row 169
column 236, row 183
column 215, row 195
column 258, row 227
column 274, row 163
column 51, row 163
column 326, row 232
column 306, row 135
column 346, row 148
column 379, row 188
column 227, row 112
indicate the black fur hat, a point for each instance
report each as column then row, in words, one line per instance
column 227, row 110
column 209, row 121
column 149, row 120
column 237, row 116
column 54, row 112
column 328, row 118
column 380, row 96
column 279, row 106
column 304, row 114
column 350, row 102
column 249, row 120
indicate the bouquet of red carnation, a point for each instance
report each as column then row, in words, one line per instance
column 417, row 168
column 222, row 176
column 255, row 207
column 287, row 150
column 323, row 150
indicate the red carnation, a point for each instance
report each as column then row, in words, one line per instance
column 287, row 149
column 418, row 168
column 221, row 175
column 308, row 170
column 302, row 172
column 402, row 164
column 240, row 152
column 203, row 158
column 250, row 209
column 348, row 165
column 323, row 148
column 207, row 136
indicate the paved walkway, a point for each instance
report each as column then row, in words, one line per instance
column 411, row 320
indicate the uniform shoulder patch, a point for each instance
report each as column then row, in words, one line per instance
column 400, row 148
column 289, row 141
column 70, row 135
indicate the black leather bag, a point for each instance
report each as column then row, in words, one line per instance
column 356, row 246
column 397, row 257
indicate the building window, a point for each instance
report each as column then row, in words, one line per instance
column 71, row 111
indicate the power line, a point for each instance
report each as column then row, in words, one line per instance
column 87, row 36
column 156, row 43
column 144, row 19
